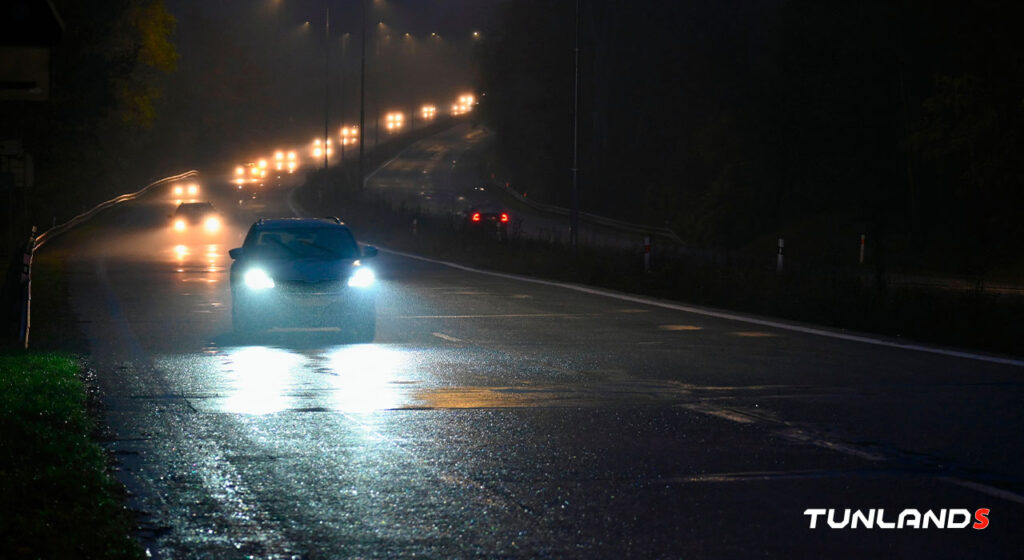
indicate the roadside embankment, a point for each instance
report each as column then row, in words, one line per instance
column 57, row 497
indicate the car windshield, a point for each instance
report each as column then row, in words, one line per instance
column 304, row 243
column 194, row 208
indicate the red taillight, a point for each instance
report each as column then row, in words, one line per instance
column 476, row 217
column 504, row 217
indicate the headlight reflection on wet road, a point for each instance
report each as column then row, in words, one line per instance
column 207, row 259
column 361, row 378
column 259, row 379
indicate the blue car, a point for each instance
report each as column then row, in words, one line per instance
column 303, row 272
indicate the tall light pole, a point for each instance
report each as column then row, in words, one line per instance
column 574, row 208
column 327, row 80
column 362, row 99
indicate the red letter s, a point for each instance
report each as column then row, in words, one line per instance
column 981, row 518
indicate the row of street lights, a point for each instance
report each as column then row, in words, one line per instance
column 394, row 121
column 323, row 148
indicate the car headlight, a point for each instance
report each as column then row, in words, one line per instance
column 258, row 279
column 211, row 224
column 179, row 225
column 362, row 278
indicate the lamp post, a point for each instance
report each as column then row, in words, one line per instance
column 327, row 80
column 362, row 98
column 574, row 208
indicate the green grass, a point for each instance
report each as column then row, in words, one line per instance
column 57, row 498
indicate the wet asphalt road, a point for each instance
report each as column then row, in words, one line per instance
column 445, row 176
column 493, row 417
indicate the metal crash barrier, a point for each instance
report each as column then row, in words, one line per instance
column 35, row 242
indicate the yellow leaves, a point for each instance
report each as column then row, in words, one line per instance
column 154, row 26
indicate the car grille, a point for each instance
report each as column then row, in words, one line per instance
column 301, row 289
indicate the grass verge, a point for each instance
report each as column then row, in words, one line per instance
column 57, row 497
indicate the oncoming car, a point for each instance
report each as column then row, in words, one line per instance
column 190, row 190
column 192, row 215
column 301, row 272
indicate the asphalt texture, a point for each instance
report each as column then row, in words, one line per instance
column 493, row 417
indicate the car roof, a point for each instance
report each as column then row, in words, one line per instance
column 289, row 223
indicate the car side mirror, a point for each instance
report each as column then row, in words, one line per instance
column 369, row 251
column 235, row 253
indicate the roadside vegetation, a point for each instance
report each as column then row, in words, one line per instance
column 57, row 497
column 735, row 122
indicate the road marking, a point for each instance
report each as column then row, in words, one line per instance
column 446, row 337
column 986, row 489
column 502, row 316
column 303, row 329
column 679, row 327
column 753, row 334
column 725, row 315
column 720, row 413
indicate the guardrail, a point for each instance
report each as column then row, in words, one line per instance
column 662, row 232
column 35, row 242
column 88, row 215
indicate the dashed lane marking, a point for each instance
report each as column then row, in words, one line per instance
column 443, row 336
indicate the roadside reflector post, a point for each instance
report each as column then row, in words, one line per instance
column 25, row 315
column 414, row 226
column 861, row 260
column 647, row 253
column 778, row 262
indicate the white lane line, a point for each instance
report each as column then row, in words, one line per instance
column 720, row 413
column 986, row 489
column 443, row 336
column 724, row 315
column 493, row 316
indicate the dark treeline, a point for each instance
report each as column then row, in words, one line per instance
column 740, row 120
column 102, row 113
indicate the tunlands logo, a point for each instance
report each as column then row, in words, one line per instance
column 906, row 519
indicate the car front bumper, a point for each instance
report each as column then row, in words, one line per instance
column 284, row 307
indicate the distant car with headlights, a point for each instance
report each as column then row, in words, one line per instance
column 190, row 191
column 250, row 172
column 303, row 272
column 193, row 216
column 487, row 221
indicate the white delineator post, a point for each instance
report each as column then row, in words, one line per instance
column 647, row 253
column 778, row 262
